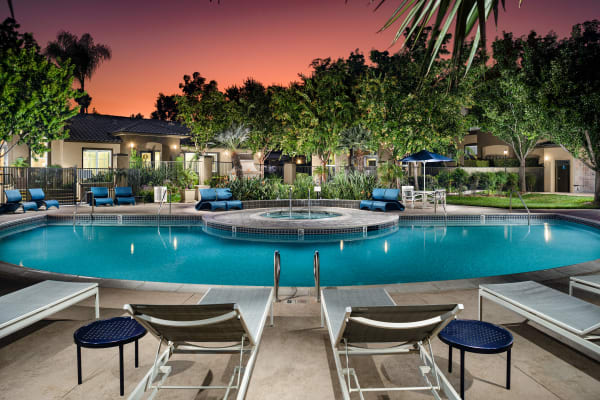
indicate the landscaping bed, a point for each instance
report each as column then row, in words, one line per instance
column 533, row 201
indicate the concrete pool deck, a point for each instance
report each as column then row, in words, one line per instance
column 295, row 360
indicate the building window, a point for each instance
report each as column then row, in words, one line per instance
column 471, row 151
column 39, row 160
column 97, row 158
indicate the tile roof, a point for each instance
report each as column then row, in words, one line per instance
column 102, row 128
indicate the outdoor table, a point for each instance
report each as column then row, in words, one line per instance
column 424, row 194
column 476, row 337
column 109, row 333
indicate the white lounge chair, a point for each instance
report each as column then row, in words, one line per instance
column 34, row 303
column 356, row 317
column 591, row 283
column 222, row 316
column 566, row 318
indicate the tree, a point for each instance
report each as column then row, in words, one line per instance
column 204, row 110
column 35, row 100
column 253, row 102
column 12, row 39
column 465, row 15
column 166, row 108
column 511, row 115
column 83, row 54
column 233, row 139
column 315, row 112
column 572, row 96
column 358, row 141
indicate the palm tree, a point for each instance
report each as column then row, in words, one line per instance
column 83, row 54
column 232, row 139
column 357, row 141
column 465, row 14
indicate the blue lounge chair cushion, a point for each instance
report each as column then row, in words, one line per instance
column 103, row 201
column 365, row 204
column 391, row 195
column 224, row 194
column 29, row 205
column 208, row 195
column 218, row 205
column 13, row 196
column 39, row 197
column 379, row 205
column 379, row 194
column 124, row 195
column 234, row 204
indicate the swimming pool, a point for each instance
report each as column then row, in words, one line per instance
column 411, row 253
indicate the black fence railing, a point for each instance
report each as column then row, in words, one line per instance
column 57, row 183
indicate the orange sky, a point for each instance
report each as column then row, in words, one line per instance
column 155, row 42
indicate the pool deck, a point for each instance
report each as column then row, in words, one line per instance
column 295, row 360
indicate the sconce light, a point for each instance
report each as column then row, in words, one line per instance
column 546, row 158
column 174, row 147
column 131, row 145
column 505, row 152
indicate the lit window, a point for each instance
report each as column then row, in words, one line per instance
column 39, row 160
column 471, row 150
column 95, row 158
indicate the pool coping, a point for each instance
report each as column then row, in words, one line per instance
column 13, row 271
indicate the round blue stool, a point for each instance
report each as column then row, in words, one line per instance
column 476, row 337
column 109, row 333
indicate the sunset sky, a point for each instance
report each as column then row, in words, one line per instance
column 154, row 42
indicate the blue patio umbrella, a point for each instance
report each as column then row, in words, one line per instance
column 425, row 157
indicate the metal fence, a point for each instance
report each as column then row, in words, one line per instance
column 57, row 183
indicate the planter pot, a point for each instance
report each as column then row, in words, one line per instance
column 188, row 195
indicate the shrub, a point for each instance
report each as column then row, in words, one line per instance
column 474, row 180
column 530, row 181
column 389, row 173
column 477, row 163
column 302, row 185
column 492, row 181
column 512, row 183
column 460, row 178
column 354, row 185
column 147, row 195
column 501, row 179
column 444, row 179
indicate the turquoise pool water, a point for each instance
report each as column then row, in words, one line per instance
column 410, row 254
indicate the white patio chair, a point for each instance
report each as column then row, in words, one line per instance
column 223, row 316
column 358, row 317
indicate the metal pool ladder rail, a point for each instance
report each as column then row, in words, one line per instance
column 162, row 200
column 276, row 273
column 317, row 274
column 522, row 202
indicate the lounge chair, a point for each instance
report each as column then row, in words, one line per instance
column 383, row 200
column 26, row 306
column 217, row 199
column 591, row 283
column 39, row 198
column 224, row 316
column 100, row 197
column 566, row 318
column 14, row 201
column 124, row 195
column 357, row 317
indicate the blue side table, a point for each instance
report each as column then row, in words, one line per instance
column 476, row 337
column 109, row 333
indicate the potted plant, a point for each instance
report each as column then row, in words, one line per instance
column 186, row 180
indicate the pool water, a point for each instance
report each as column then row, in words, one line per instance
column 410, row 254
column 300, row 214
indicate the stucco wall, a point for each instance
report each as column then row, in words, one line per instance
column 70, row 154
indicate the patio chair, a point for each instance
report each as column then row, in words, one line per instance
column 124, row 195
column 359, row 317
column 29, row 305
column 223, row 316
column 217, row 199
column 39, row 198
column 100, row 196
column 14, row 201
column 566, row 318
column 409, row 195
column 383, row 200
column 590, row 283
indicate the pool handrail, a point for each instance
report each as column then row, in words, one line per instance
column 276, row 273
column 522, row 202
column 317, row 274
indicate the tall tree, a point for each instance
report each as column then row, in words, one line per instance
column 315, row 112
column 359, row 142
column 35, row 95
column 204, row 109
column 83, row 54
column 166, row 108
column 464, row 15
column 572, row 94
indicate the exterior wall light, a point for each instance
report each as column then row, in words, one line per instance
column 174, row 147
column 546, row 158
